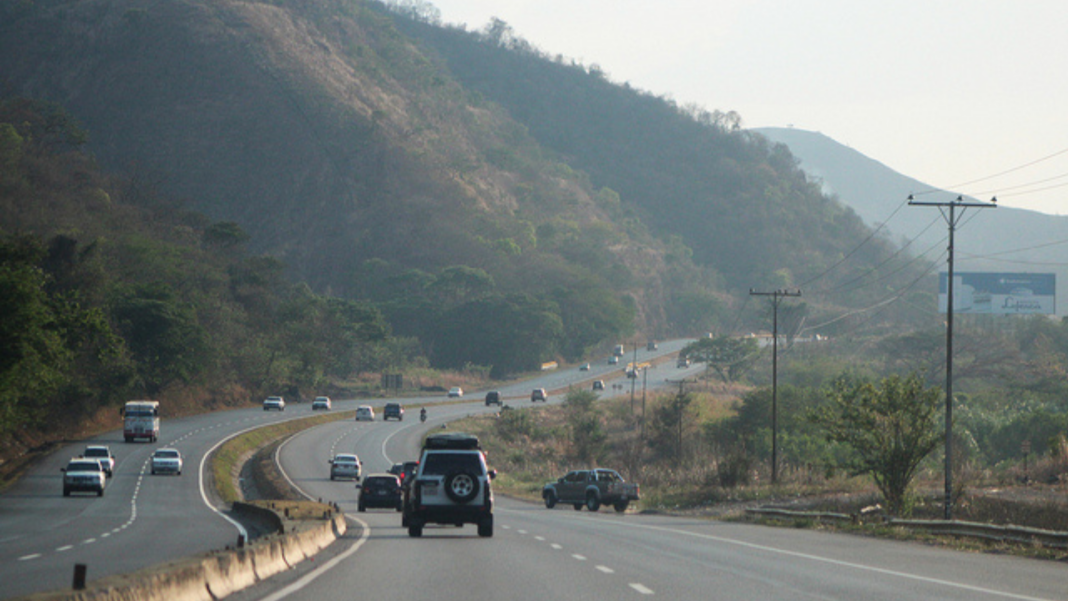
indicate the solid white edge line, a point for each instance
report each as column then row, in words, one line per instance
column 308, row 578
column 203, row 493
column 828, row 560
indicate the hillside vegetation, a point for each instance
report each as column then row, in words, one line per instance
column 379, row 156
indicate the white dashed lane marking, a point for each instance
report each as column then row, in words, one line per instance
column 578, row 557
column 29, row 557
column 641, row 588
column 606, row 569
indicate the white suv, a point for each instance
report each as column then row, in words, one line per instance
column 452, row 486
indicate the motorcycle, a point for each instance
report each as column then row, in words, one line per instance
column 422, row 415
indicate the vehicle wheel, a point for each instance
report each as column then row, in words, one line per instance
column 578, row 506
column 66, row 492
column 400, row 507
column 153, row 472
column 621, row 506
column 485, row 527
column 461, row 487
column 592, row 502
column 331, row 477
column 128, row 439
column 404, row 520
column 100, row 492
column 179, row 472
column 415, row 531
column 361, row 507
column 550, row 500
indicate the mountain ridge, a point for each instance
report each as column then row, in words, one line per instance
column 1004, row 239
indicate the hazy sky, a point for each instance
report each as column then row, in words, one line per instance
column 950, row 92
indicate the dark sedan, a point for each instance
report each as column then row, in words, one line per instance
column 380, row 490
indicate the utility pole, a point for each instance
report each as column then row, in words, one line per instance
column 645, row 380
column 952, row 218
column 634, row 380
column 776, row 296
column 678, row 411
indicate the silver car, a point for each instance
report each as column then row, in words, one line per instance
column 345, row 465
column 167, row 461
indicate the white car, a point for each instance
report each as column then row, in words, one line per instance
column 613, row 360
column 167, row 461
column 345, row 465
column 321, row 402
column 84, row 475
column 274, row 402
column 102, row 454
column 456, row 391
column 584, row 367
column 365, row 413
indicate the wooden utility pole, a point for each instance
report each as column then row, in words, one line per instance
column 952, row 218
column 776, row 296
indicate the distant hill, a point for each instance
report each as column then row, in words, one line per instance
column 1002, row 239
column 445, row 176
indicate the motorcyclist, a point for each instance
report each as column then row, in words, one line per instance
column 422, row 414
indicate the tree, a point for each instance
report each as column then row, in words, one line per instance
column 730, row 357
column 587, row 432
column 891, row 427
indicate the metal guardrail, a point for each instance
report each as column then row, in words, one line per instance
column 1012, row 534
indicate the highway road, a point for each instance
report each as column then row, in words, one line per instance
column 535, row 552
column 142, row 519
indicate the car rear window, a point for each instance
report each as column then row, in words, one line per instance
column 440, row 464
column 381, row 482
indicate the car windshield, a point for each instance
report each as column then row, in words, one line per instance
column 440, row 464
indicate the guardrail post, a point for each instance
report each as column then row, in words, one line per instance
column 79, row 576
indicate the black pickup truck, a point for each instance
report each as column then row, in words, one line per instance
column 591, row 488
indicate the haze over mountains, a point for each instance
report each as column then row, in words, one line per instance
column 1004, row 239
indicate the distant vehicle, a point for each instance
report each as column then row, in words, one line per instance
column 404, row 470
column 345, row 465
column 613, row 360
column 102, row 454
column 538, row 394
column 84, row 475
column 681, row 363
column 618, row 351
column 591, row 488
column 321, row 403
column 276, row 403
column 393, row 411
column 493, row 397
column 584, row 367
column 456, row 391
column 380, row 490
column 651, row 345
column 167, row 461
column 140, row 419
column 598, row 384
column 364, row 413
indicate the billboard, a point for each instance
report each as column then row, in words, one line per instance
column 1000, row 293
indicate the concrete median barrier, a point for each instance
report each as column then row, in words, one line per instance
column 217, row 574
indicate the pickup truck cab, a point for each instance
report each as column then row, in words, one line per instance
column 591, row 488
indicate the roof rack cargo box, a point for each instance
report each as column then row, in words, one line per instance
column 451, row 440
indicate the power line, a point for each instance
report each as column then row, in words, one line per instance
column 855, row 249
